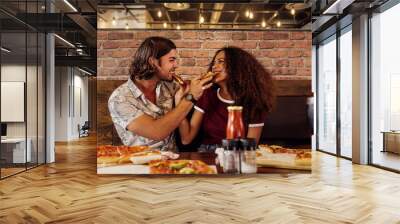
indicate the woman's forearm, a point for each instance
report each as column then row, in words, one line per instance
column 184, row 131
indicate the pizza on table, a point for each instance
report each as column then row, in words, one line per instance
column 286, row 156
column 168, row 162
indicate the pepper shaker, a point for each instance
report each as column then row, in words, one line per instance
column 230, row 158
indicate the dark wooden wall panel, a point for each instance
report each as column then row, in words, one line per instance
column 105, row 127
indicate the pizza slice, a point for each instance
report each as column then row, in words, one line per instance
column 107, row 155
column 126, row 152
column 145, row 157
column 113, row 155
column 303, row 159
column 180, row 167
column 278, row 154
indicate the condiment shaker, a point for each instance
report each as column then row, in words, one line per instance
column 248, row 156
column 231, row 161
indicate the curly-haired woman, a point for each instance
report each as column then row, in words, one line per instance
column 240, row 79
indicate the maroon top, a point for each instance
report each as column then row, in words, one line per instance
column 215, row 118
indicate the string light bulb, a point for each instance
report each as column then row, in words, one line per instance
column 126, row 26
column 178, row 27
column 251, row 15
column 159, row 14
column 278, row 24
column 247, row 13
column 165, row 25
column 263, row 23
column 275, row 14
column 113, row 21
column 293, row 11
column 201, row 20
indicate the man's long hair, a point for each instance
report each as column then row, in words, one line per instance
column 248, row 82
column 155, row 47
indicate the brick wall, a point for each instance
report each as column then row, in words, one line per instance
column 286, row 55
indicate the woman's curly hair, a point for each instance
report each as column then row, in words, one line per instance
column 155, row 47
column 248, row 82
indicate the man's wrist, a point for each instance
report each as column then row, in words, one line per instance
column 190, row 97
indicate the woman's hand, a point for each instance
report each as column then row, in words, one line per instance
column 198, row 85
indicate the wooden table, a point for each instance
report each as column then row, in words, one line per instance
column 209, row 158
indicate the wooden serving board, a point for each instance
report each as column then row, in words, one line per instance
column 278, row 164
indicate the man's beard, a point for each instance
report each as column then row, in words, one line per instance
column 168, row 78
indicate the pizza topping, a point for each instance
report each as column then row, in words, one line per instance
column 187, row 170
column 177, row 166
column 180, row 167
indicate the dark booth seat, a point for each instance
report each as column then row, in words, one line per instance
column 290, row 124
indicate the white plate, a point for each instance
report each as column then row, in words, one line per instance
column 131, row 169
column 124, row 169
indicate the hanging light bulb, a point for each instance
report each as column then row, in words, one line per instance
column 165, row 25
column 275, row 14
column 178, row 27
column 159, row 14
column 201, row 19
column 126, row 26
column 293, row 11
column 247, row 13
column 113, row 21
column 278, row 24
column 263, row 23
column 251, row 15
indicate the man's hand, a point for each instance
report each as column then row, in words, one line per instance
column 198, row 85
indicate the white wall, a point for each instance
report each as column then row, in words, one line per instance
column 33, row 126
column 80, row 110
column 61, row 103
column 15, row 73
column 70, row 83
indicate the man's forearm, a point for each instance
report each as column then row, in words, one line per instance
column 172, row 119
column 159, row 129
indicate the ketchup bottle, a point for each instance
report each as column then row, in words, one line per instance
column 235, row 126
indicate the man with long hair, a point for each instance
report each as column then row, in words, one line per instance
column 142, row 108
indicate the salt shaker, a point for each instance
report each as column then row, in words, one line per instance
column 230, row 158
column 220, row 156
column 248, row 159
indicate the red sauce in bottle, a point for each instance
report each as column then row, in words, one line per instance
column 235, row 126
